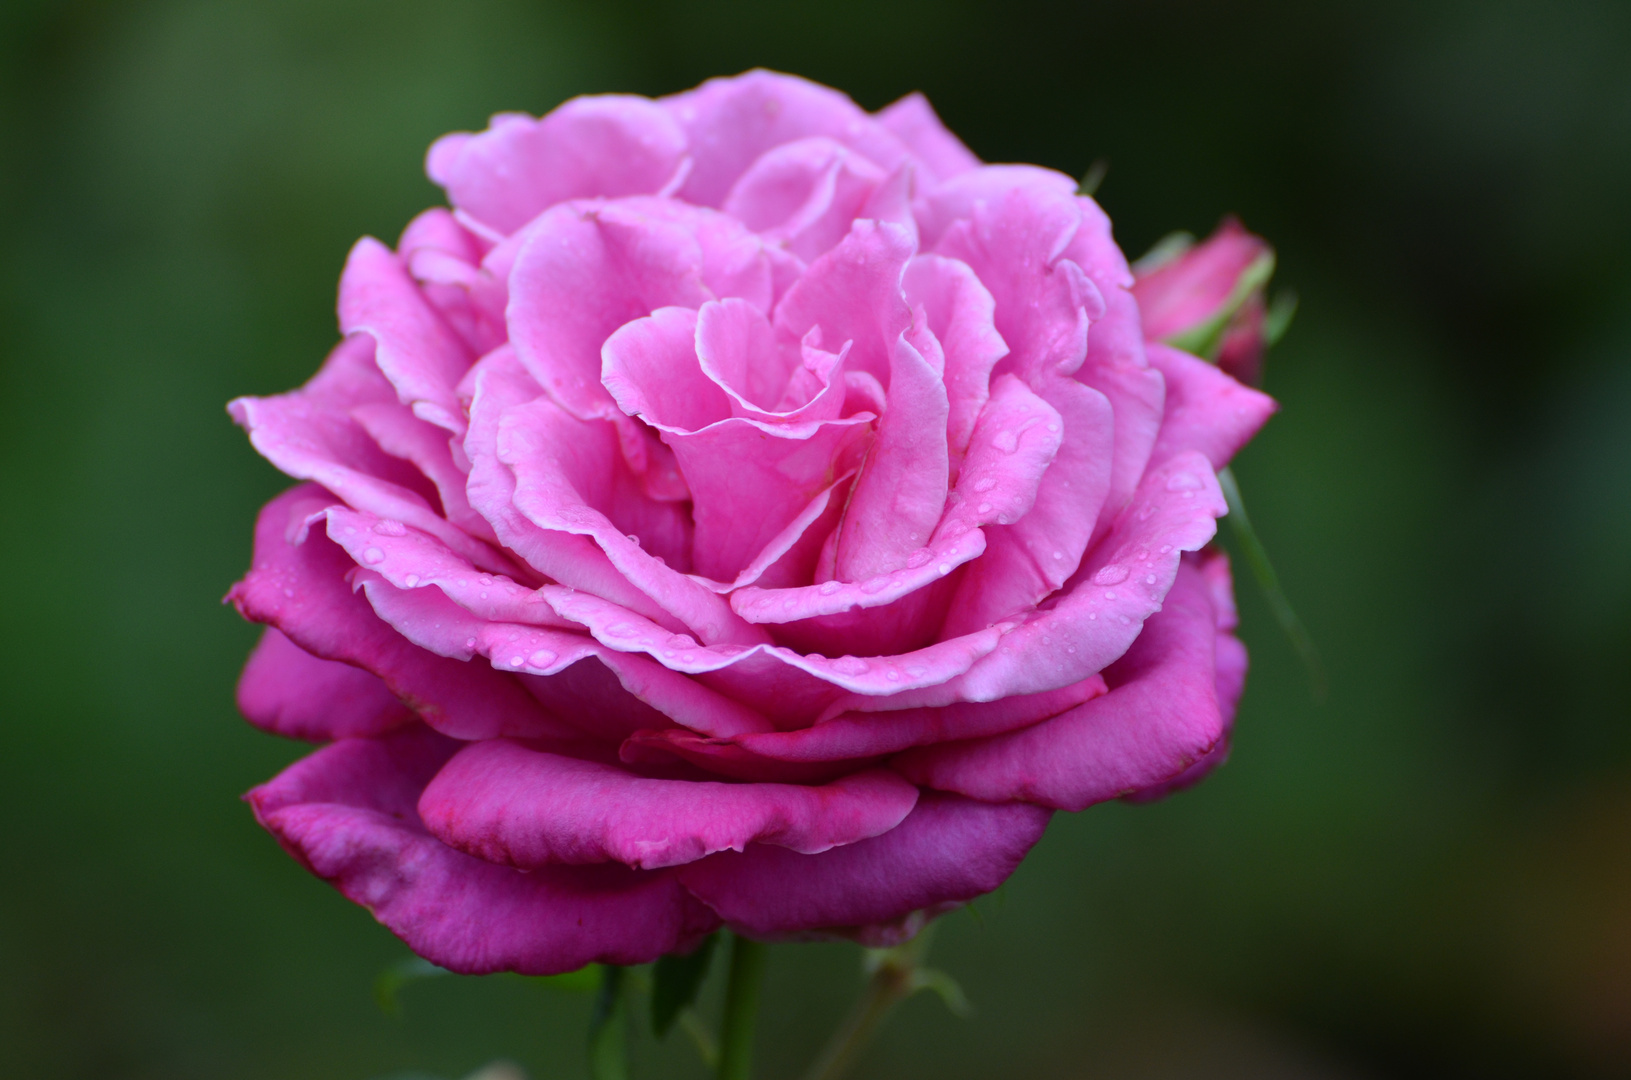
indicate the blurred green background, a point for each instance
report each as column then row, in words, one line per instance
column 1429, row 875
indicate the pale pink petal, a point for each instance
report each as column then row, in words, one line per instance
column 529, row 808
column 298, row 584
column 286, row 690
column 730, row 122
column 912, row 120
column 564, row 468
column 804, row 194
column 1160, row 716
column 501, row 384
column 427, row 447
column 959, row 311
column 311, row 434
column 1100, row 611
column 1043, row 301
column 415, row 348
column 1050, row 519
column 853, row 293
column 948, row 850
column 607, row 145
column 987, row 185
column 1206, row 410
column 348, row 814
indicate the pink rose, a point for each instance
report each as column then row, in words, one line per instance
column 739, row 509
column 1208, row 298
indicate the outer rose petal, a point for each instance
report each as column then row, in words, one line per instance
column 913, row 121
column 730, row 122
column 347, row 813
column 287, row 691
column 527, row 808
column 947, row 851
column 300, row 587
column 1160, row 717
column 1206, row 409
column 608, row 145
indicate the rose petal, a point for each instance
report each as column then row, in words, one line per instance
column 948, row 850
column 287, row 691
column 804, row 194
column 1160, row 716
column 414, row 346
column 959, row 311
column 299, row 586
column 607, row 145
column 730, row 122
column 957, row 199
column 403, row 435
column 914, row 122
column 347, row 813
column 528, row 808
column 1206, row 410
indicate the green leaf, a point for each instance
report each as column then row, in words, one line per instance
column 389, row 982
column 608, row 1028
column 1093, row 178
column 1257, row 557
column 1204, row 339
column 1278, row 318
column 1163, row 251
column 945, row 986
column 675, row 982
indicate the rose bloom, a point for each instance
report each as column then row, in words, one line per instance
column 738, row 509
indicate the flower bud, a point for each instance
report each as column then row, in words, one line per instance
column 1207, row 298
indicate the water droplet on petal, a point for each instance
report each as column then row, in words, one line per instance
column 850, row 665
column 1165, row 548
column 985, row 483
column 373, row 555
column 1059, row 554
column 515, row 661
column 1006, row 441
column 944, row 568
column 1114, row 574
column 1111, row 595
column 985, row 508
column 919, row 557
column 828, row 588
column 1149, row 579
column 390, row 527
column 411, row 580
column 541, row 659
column 485, row 579
column 1182, row 482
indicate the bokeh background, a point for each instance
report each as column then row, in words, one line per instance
column 1427, row 875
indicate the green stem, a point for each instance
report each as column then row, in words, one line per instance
column 741, row 1008
column 897, row 974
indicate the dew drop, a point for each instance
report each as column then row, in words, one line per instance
column 411, row 580
column 1114, row 574
column 1149, row 579
column 1006, row 441
column 919, row 557
column 892, row 675
column 916, row 671
column 1092, row 615
column 485, row 579
column 985, row 483
column 944, row 568
column 515, row 661
column 1182, row 482
column 850, row 665
column 985, row 508
column 373, row 555
column 1165, row 548
column 874, row 585
column 541, row 659
column 621, row 629
column 470, row 643
column 828, row 588
column 1059, row 554
column 390, row 527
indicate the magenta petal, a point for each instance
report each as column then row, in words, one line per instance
column 529, row 808
column 298, row 584
column 1048, row 528
column 1159, row 718
column 1043, row 301
column 804, row 194
column 948, row 850
column 913, row 121
column 853, row 293
column 960, row 315
column 607, row 145
column 1206, row 410
column 347, row 813
column 287, row 691
column 1186, row 291
column 426, row 446
column 414, row 346
column 986, row 185
column 585, row 270
column 731, row 122
column 901, row 492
